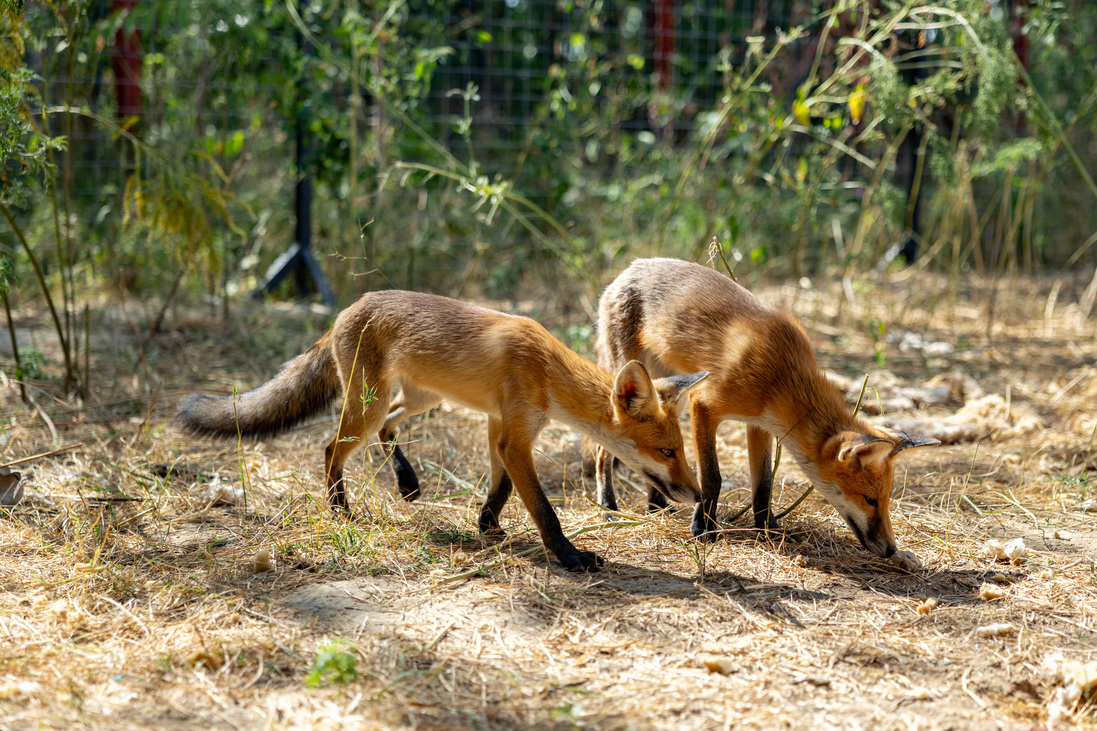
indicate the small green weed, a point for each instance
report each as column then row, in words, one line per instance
column 350, row 541
column 335, row 663
column 452, row 536
column 879, row 332
column 30, row 365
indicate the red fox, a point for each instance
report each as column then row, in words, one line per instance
column 678, row 317
column 506, row 366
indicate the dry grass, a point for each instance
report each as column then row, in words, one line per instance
column 150, row 612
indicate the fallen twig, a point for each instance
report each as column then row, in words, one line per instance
column 42, row 455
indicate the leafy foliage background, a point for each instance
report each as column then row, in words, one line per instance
column 474, row 148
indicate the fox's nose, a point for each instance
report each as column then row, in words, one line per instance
column 889, row 551
column 687, row 493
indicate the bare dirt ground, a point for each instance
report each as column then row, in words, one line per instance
column 130, row 595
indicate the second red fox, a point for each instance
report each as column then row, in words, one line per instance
column 678, row 317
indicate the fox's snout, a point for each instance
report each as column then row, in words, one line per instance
column 880, row 545
column 679, row 493
column 688, row 494
column 876, row 537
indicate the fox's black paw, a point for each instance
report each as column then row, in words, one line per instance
column 407, row 482
column 771, row 529
column 586, row 561
column 708, row 536
column 609, row 502
column 703, row 527
column 491, row 530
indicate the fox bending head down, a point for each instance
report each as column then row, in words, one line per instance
column 508, row 367
column 678, row 317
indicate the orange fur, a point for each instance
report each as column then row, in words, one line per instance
column 506, row 366
column 678, row 317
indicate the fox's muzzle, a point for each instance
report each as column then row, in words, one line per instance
column 874, row 539
column 673, row 491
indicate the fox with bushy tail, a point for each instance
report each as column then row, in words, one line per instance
column 506, row 366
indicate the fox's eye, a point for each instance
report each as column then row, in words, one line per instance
column 668, row 453
column 871, row 501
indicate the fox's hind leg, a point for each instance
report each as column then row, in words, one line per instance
column 364, row 407
column 501, row 486
column 411, row 401
column 656, row 501
column 603, row 472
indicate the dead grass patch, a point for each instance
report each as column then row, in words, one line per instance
column 129, row 594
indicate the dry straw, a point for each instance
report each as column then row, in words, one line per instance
column 151, row 611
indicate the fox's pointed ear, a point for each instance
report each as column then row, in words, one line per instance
column 673, row 388
column 903, row 440
column 867, row 449
column 634, row 392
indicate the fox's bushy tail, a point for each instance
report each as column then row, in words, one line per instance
column 305, row 385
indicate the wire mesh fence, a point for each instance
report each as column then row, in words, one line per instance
column 452, row 144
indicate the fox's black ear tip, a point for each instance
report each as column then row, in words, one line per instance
column 911, row 441
column 917, row 440
column 695, row 378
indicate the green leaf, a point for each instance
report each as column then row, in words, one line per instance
column 5, row 273
column 733, row 229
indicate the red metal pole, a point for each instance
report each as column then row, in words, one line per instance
column 664, row 43
column 127, row 62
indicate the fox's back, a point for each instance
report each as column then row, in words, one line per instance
column 467, row 353
column 683, row 317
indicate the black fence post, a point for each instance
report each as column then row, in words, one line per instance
column 298, row 258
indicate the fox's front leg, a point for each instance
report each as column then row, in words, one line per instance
column 760, row 456
column 515, row 449
column 704, row 426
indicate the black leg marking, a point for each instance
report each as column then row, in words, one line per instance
column 605, row 466
column 406, row 480
column 762, row 500
column 337, row 494
column 569, row 556
column 656, row 501
column 337, row 497
column 552, row 535
column 493, row 506
column 704, row 517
